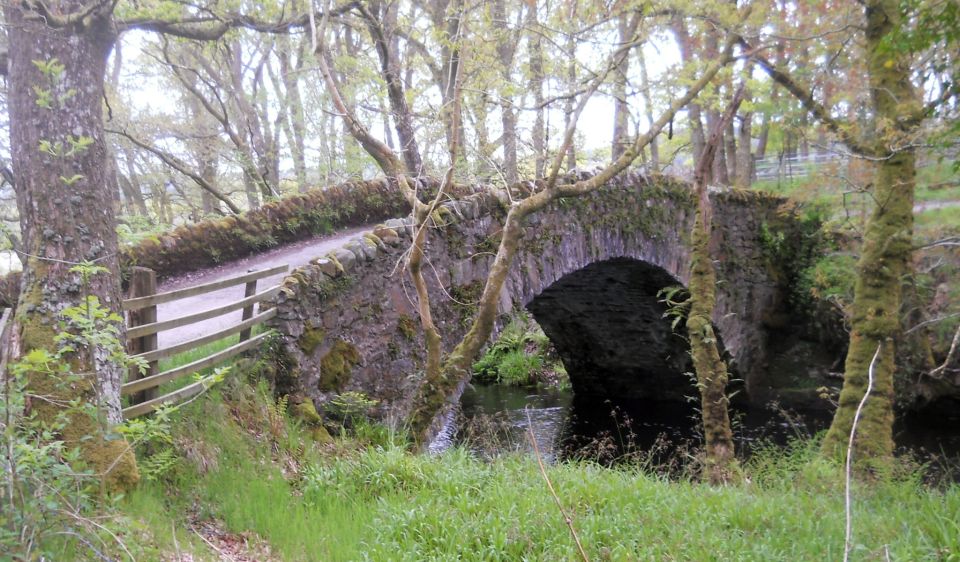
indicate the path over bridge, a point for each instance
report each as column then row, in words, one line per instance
column 589, row 270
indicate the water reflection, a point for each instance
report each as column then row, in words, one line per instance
column 495, row 419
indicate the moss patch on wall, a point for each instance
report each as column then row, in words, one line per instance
column 406, row 327
column 311, row 339
column 466, row 298
column 336, row 365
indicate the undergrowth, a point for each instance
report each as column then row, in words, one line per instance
column 244, row 462
column 522, row 355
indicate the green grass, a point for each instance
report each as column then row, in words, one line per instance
column 941, row 178
column 204, row 350
column 944, row 217
column 196, row 354
column 383, row 503
column 936, row 182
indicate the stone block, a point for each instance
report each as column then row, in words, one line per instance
column 346, row 258
column 387, row 235
column 376, row 240
column 329, row 267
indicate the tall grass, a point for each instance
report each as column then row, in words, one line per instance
column 383, row 503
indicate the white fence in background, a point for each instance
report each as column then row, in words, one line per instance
column 792, row 167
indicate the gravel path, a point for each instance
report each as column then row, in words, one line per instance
column 295, row 254
column 931, row 205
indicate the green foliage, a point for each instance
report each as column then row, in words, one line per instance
column 517, row 357
column 512, row 367
column 677, row 301
column 41, row 489
column 152, row 434
column 830, row 278
column 48, row 482
column 52, row 68
column 350, row 406
column 931, row 25
column 134, row 229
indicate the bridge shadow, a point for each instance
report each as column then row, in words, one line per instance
column 608, row 325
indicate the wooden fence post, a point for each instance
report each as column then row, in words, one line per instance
column 143, row 283
column 248, row 311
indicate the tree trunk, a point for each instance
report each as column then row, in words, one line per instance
column 377, row 18
column 730, row 151
column 297, row 119
column 887, row 247
column 208, row 171
column 484, row 148
column 694, row 111
column 711, row 371
column 743, row 169
column 64, row 193
column 535, row 46
column 744, row 156
column 130, row 201
column 648, row 109
column 621, row 111
column 571, row 84
column 506, row 47
column 263, row 164
column 136, row 193
column 712, row 376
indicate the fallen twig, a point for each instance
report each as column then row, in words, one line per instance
column 214, row 547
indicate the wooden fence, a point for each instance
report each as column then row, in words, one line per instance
column 790, row 167
column 143, row 328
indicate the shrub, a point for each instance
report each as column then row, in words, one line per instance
column 518, row 357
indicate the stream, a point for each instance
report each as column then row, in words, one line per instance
column 496, row 419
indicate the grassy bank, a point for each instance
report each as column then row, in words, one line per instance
column 243, row 462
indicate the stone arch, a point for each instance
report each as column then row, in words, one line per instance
column 608, row 326
column 348, row 320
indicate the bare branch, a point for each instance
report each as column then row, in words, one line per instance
column 950, row 354
column 180, row 166
column 213, row 27
column 806, row 98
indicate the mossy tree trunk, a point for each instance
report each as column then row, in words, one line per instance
column 711, row 370
column 887, row 246
column 65, row 191
column 712, row 377
column 898, row 113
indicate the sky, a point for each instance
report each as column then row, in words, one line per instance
column 149, row 94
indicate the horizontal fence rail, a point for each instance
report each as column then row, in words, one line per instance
column 143, row 328
column 794, row 166
column 161, row 298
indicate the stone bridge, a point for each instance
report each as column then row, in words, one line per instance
column 589, row 270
